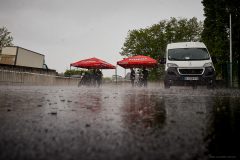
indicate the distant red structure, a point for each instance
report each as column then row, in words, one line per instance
column 93, row 63
column 137, row 62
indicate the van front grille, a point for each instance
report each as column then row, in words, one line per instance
column 191, row 71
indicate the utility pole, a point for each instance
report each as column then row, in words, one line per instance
column 230, row 23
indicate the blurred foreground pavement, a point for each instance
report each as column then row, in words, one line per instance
column 115, row 122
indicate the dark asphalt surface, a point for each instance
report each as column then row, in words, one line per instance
column 62, row 123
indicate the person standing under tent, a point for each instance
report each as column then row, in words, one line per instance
column 85, row 80
column 132, row 76
column 145, row 76
column 99, row 76
column 93, row 77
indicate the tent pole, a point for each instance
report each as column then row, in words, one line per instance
column 116, row 73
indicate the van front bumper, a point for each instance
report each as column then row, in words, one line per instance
column 173, row 78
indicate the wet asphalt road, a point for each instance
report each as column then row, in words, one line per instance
column 115, row 122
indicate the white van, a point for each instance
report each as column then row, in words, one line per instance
column 188, row 63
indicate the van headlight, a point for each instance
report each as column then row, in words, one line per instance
column 209, row 68
column 172, row 65
column 210, row 64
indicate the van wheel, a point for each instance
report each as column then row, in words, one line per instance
column 211, row 85
column 194, row 86
column 166, row 85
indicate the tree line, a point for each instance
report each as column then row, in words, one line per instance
column 5, row 38
column 216, row 33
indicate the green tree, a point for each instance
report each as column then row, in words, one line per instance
column 152, row 41
column 5, row 38
column 71, row 72
column 216, row 30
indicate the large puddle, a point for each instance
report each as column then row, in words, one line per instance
column 118, row 123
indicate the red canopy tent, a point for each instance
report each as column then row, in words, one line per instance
column 93, row 63
column 137, row 62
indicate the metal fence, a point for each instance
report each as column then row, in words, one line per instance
column 225, row 74
column 26, row 78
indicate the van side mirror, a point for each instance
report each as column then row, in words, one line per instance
column 163, row 61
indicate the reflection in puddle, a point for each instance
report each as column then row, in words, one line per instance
column 203, row 126
column 144, row 109
column 223, row 131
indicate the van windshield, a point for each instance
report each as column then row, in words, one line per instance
column 187, row 54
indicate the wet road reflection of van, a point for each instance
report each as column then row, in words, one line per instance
column 223, row 128
column 204, row 125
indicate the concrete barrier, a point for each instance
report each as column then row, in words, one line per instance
column 26, row 78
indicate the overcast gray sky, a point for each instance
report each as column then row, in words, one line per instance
column 66, row 31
